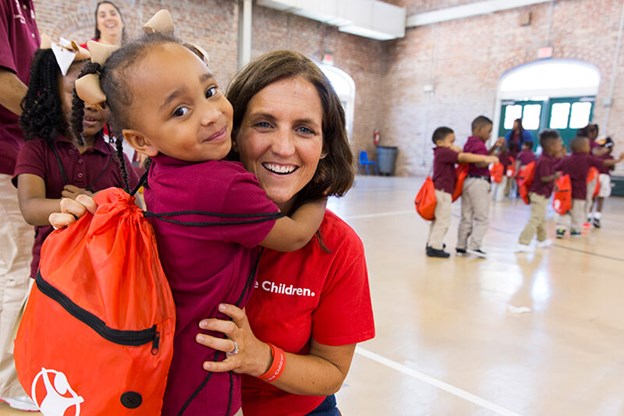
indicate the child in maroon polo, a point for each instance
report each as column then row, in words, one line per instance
column 475, row 202
column 541, row 190
column 604, row 179
column 446, row 155
column 52, row 164
column 577, row 166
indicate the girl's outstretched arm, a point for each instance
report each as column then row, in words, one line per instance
column 292, row 233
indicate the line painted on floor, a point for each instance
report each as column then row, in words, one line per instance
column 381, row 214
column 462, row 394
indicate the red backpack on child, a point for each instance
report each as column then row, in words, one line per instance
column 426, row 200
column 97, row 332
column 497, row 171
column 461, row 172
column 562, row 195
column 525, row 178
column 592, row 175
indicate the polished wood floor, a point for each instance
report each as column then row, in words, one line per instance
column 515, row 334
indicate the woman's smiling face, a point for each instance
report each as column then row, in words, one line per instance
column 280, row 139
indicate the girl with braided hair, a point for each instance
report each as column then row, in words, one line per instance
column 210, row 216
column 54, row 164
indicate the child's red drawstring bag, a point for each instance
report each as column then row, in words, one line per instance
column 97, row 332
column 497, row 170
column 461, row 172
column 425, row 200
column 525, row 178
column 592, row 175
column 562, row 195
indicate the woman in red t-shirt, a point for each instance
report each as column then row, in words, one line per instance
column 314, row 303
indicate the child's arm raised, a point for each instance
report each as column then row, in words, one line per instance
column 473, row 158
column 35, row 207
column 292, row 233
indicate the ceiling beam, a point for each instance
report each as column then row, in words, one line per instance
column 468, row 10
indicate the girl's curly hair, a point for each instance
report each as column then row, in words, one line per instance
column 42, row 111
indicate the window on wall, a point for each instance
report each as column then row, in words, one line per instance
column 512, row 112
column 579, row 116
column 531, row 116
column 559, row 116
column 345, row 88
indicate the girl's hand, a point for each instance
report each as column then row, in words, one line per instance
column 71, row 191
column 71, row 210
column 253, row 356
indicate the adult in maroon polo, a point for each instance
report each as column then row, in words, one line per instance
column 19, row 39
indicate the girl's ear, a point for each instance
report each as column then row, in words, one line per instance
column 139, row 142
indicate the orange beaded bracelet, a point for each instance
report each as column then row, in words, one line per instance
column 277, row 367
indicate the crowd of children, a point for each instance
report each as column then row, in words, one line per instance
column 511, row 171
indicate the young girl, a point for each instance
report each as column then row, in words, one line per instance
column 54, row 164
column 168, row 106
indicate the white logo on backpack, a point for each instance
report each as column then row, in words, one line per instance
column 59, row 394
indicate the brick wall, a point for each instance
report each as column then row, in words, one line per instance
column 462, row 59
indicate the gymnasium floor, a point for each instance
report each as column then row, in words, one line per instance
column 451, row 336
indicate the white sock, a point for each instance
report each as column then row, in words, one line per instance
column 597, row 215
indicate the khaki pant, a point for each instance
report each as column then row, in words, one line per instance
column 537, row 221
column 577, row 217
column 16, row 242
column 591, row 187
column 442, row 221
column 475, row 211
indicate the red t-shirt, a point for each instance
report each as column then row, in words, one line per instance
column 205, row 265
column 477, row 146
column 19, row 39
column 95, row 169
column 308, row 294
column 444, row 160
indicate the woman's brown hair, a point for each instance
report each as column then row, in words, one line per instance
column 335, row 173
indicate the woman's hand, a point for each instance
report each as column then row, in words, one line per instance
column 253, row 356
column 71, row 210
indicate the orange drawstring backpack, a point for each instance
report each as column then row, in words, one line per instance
column 562, row 195
column 592, row 175
column 461, row 172
column 525, row 178
column 497, row 171
column 96, row 337
column 426, row 200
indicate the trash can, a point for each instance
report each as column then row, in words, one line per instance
column 386, row 159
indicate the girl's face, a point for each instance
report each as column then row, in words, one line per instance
column 281, row 138
column 177, row 107
column 94, row 118
column 109, row 21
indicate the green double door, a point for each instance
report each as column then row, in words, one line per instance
column 564, row 114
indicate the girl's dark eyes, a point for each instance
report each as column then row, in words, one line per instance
column 211, row 92
column 180, row 112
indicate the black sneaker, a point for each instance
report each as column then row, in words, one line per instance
column 560, row 233
column 434, row 252
column 460, row 251
column 596, row 222
column 477, row 252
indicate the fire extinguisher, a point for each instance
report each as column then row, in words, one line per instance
column 376, row 137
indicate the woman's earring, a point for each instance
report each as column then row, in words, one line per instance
column 323, row 155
